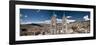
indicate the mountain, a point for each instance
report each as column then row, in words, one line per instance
column 32, row 24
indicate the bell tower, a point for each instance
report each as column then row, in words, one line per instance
column 64, row 24
column 53, row 24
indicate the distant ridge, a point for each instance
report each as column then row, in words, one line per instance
column 32, row 24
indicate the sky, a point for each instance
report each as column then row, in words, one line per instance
column 43, row 15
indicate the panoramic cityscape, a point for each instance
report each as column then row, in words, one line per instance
column 53, row 22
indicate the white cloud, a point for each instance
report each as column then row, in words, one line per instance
column 68, row 21
column 25, row 16
column 21, row 15
column 26, row 22
column 69, row 16
column 86, row 18
column 32, row 22
column 59, row 20
column 49, row 21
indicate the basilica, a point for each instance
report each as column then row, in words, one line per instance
column 60, row 27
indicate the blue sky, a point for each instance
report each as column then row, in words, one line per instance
column 37, row 15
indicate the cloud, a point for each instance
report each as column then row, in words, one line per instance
column 69, row 16
column 68, row 21
column 49, row 21
column 59, row 20
column 26, row 22
column 21, row 15
column 25, row 16
column 30, row 22
column 86, row 18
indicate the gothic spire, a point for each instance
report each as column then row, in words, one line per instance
column 54, row 14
